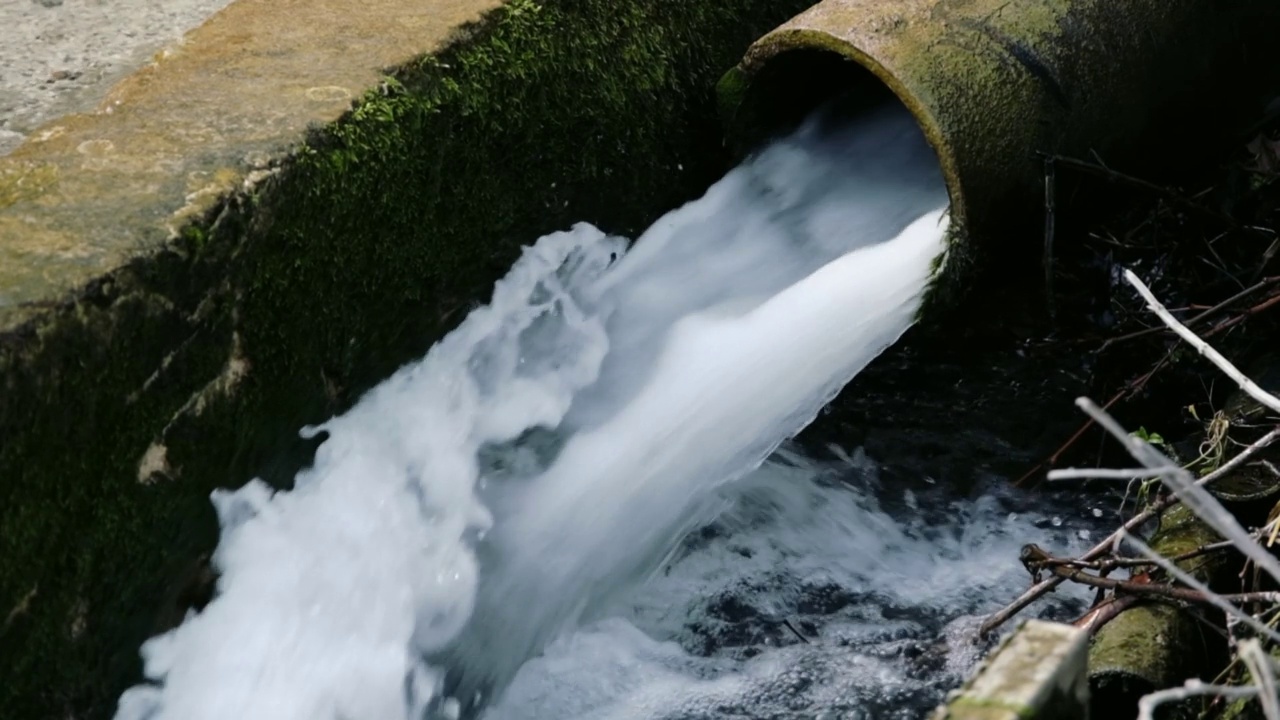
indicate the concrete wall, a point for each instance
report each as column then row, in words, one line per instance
column 230, row 248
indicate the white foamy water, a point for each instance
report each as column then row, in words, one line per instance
column 886, row 584
column 545, row 458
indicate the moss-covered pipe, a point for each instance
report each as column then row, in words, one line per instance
column 1156, row 645
column 996, row 83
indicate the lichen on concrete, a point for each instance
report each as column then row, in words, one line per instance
column 274, row 300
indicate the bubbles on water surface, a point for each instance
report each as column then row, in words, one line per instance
column 819, row 592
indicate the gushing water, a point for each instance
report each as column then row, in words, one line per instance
column 820, row 592
column 548, row 455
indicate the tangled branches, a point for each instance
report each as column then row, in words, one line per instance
column 1160, row 576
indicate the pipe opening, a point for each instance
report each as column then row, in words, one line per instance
column 791, row 85
column 770, row 98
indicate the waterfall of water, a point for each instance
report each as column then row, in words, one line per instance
column 550, row 453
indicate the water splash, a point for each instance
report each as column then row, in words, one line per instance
column 549, row 453
column 819, row 592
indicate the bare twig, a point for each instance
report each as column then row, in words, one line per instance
column 1039, row 589
column 1110, row 563
column 1129, row 389
column 1194, row 688
column 787, row 623
column 1231, row 322
column 1105, row 611
column 1198, row 317
column 1164, row 590
column 1242, row 458
column 1224, row 603
column 1170, row 194
column 1050, row 228
column 1202, row 550
column 1099, row 474
column 1250, row 387
column 1260, row 667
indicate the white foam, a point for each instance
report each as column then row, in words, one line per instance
column 723, row 394
column 812, row 544
column 607, row 403
column 331, row 594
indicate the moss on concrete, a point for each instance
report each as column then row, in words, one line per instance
column 1156, row 645
column 193, row 367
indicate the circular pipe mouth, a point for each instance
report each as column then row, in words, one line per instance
column 791, row 73
column 771, row 93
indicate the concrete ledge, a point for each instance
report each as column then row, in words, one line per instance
column 62, row 56
column 259, row 227
column 90, row 192
column 1038, row 673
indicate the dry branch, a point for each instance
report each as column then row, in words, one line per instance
column 1204, row 348
column 1150, row 454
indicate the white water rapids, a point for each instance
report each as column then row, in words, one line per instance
column 480, row 533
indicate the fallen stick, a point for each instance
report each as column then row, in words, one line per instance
column 1148, row 455
column 1038, row 590
column 1111, row 563
column 1250, row 387
column 1134, row 587
column 1196, row 318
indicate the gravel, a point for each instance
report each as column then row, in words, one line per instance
column 62, row 56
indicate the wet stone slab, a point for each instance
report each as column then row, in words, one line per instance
column 1038, row 673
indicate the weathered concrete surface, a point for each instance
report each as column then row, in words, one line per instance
column 61, row 56
column 89, row 192
column 195, row 275
column 1037, row 673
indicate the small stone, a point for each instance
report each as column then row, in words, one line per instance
column 59, row 75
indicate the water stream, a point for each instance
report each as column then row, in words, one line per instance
column 821, row 592
column 575, row 505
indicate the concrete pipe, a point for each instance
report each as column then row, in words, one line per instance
column 996, row 85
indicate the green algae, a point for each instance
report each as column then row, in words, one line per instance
column 193, row 367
